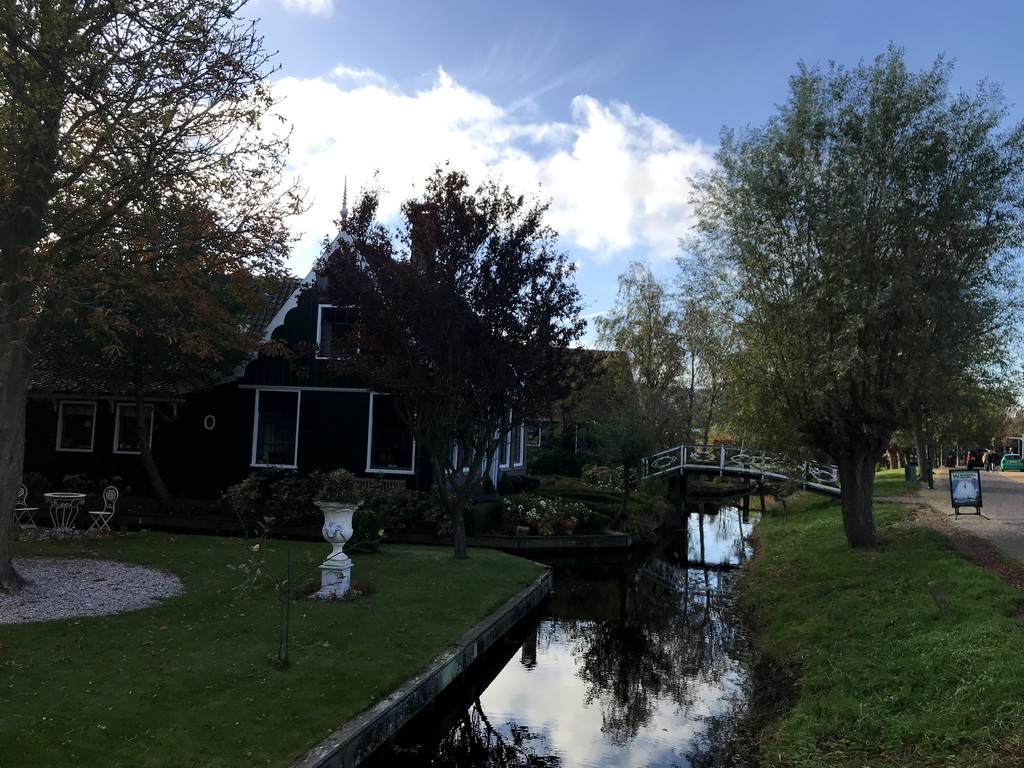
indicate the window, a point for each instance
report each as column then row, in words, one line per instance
column 76, row 426
column 125, row 434
column 518, row 445
column 391, row 447
column 276, row 428
column 533, row 434
column 333, row 327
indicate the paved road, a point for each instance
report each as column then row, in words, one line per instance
column 1002, row 513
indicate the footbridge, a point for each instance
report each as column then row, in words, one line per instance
column 742, row 462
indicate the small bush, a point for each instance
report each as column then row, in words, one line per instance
column 550, row 461
column 366, row 532
column 537, row 516
column 505, row 485
column 488, row 486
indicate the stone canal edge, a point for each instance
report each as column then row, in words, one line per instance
column 360, row 736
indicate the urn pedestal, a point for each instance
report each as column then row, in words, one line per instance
column 336, row 570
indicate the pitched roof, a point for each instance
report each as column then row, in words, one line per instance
column 100, row 377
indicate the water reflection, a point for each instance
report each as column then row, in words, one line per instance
column 636, row 665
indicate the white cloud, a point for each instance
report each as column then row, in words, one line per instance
column 616, row 179
column 314, row 7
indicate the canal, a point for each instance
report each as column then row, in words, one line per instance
column 639, row 662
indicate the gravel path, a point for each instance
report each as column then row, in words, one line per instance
column 64, row 588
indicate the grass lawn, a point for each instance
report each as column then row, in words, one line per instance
column 882, row 677
column 892, row 482
column 192, row 681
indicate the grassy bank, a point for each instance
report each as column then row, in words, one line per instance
column 192, row 681
column 859, row 663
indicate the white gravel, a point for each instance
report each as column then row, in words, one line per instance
column 63, row 588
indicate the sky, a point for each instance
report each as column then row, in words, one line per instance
column 603, row 109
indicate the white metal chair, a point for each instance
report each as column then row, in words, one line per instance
column 22, row 511
column 101, row 517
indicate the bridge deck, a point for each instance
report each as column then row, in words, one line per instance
column 742, row 462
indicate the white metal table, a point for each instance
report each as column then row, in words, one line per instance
column 64, row 508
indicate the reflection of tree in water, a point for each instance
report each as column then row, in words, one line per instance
column 670, row 635
column 475, row 743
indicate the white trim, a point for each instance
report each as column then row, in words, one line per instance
column 520, row 461
column 256, row 427
column 320, row 324
column 299, row 388
column 60, row 426
column 369, row 448
column 117, row 426
column 292, row 303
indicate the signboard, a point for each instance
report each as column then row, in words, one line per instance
column 965, row 488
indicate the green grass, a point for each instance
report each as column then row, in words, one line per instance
column 885, row 678
column 891, row 482
column 192, row 682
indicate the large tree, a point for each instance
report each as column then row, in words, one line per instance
column 644, row 328
column 463, row 314
column 868, row 226
column 166, row 307
column 112, row 111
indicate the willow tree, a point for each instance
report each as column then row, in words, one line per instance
column 464, row 314
column 111, row 111
column 868, row 227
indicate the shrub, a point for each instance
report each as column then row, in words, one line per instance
column 404, row 510
column 505, row 485
column 533, row 515
column 551, row 461
column 608, row 478
column 488, row 486
column 366, row 532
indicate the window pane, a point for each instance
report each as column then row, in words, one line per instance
column 335, row 326
column 76, row 426
column 391, row 444
column 127, row 437
column 275, row 427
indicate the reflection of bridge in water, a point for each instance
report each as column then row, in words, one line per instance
column 742, row 462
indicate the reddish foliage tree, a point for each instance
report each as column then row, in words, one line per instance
column 463, row 314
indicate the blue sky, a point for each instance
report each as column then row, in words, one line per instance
column 606, row 109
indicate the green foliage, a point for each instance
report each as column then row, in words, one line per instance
column 488, row 486
column 526, row 515
column 280, row 497
column 339, row 486
column 608, row 478
column 866, row 232
column 402, row 510
column 556, row 461
column 201, row 664
column 885, row 678
column 367, row 532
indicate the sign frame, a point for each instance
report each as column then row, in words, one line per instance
column 965, row 490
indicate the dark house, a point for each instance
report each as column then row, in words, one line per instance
column 278, row 412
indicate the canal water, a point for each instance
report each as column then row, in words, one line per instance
column 638, row 662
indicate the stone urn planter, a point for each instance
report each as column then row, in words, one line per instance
column 338, row 499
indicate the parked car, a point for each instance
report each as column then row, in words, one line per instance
column 1011, row 461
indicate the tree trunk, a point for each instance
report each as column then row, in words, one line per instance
column 15, row 373
column 142, row 436
column 857, row 482
column 453, row 502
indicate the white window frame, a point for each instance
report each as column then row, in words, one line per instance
column 256, row 428
column 519, row 451
column 320, row 328
column 117, row 427
column 369, row 449
column 60, row 426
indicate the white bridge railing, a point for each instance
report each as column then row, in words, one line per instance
column 742, row 462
